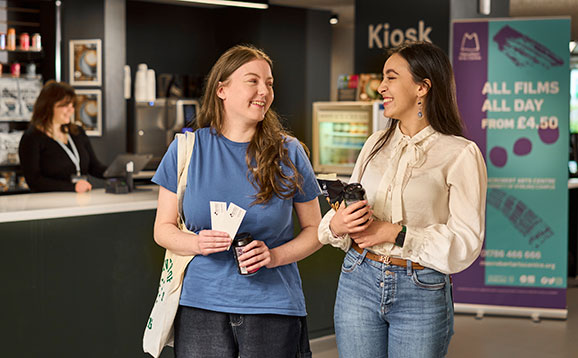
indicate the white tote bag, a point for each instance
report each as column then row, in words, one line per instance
column 159, row 330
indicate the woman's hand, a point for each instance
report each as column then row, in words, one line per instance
column 82, row 186
column 352, row 219
column 377, row 233
column 212, row 241
column 255, row 255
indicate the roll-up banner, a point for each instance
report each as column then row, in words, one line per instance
column 512, row 78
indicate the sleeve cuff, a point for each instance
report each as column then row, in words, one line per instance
column 415, row 239
column 326, row 237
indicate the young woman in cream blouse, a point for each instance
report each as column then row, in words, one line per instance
column 423, row 219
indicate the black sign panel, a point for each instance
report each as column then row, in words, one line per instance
column 381, row 24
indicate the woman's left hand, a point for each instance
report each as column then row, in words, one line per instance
column 377, row 233
column 255, row 255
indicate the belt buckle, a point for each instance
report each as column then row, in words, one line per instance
column 385, row 259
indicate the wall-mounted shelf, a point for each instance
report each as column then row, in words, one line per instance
column 24, row 76
column 20, row 51
column 12, row 119
column 10, row 167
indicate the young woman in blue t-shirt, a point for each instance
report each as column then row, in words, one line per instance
column 242, row 156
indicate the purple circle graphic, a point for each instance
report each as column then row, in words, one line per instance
column 548, row 135
column 498, row 156
column 523, row 146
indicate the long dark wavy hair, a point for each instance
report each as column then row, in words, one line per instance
column 427, row 61
column 52, row 93
column 266, row 151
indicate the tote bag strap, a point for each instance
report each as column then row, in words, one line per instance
column 186, row 143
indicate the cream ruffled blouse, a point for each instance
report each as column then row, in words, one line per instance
column 432, row 183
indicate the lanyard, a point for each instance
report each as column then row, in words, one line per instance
column 73, row 155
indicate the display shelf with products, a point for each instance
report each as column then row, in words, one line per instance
column 340, row 130
column 12, row 182
column 17, row 97
column 27, row 58
column 23, row 33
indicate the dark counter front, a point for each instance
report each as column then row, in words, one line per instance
column 79, row 286
column 84, row 286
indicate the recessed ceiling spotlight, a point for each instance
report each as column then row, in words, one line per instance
column 334, row 19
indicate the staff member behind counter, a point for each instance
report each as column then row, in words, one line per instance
column 56, row 154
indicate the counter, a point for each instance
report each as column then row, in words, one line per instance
column 80, row 274
column 37, row 206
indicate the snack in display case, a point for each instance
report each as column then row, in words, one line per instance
column 368, row 86
column 340, row 130
column 347, row 87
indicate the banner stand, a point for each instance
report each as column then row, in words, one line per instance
column 513, row 84
column 534, row 313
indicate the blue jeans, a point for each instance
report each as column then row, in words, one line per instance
column 384, row 311
column 205, row 334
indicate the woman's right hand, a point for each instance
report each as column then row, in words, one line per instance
column 352, row 219
column 212, row 241
column 82, row 186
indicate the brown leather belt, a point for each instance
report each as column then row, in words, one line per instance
column 387, row 259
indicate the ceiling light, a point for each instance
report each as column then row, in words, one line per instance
column 334, row 19
column 573, row 46
column 254, row 4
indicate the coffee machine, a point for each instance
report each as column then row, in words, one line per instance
column 156, row 123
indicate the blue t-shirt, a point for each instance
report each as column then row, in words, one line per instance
column 218, row 172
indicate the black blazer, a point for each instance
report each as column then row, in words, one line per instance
column 46, row 165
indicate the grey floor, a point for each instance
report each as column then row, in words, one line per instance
column 496, row 337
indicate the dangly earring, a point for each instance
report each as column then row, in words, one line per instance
column 419, row 110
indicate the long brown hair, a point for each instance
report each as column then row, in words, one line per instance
column 266, row 151
column 52, row 93
column 427, row 61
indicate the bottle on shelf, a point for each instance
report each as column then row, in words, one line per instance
column 36, row 42
column 24, row 41
column 15, row 69
column 31, row 70
column 11, row 39
column 127, row 82
column 140, row 83
column 151, row 86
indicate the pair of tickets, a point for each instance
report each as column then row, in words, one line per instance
column 226, row 219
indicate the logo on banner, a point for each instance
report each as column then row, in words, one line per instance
column 524, row 51
column 470, row 48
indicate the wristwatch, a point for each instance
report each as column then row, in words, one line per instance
column 400, row 239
